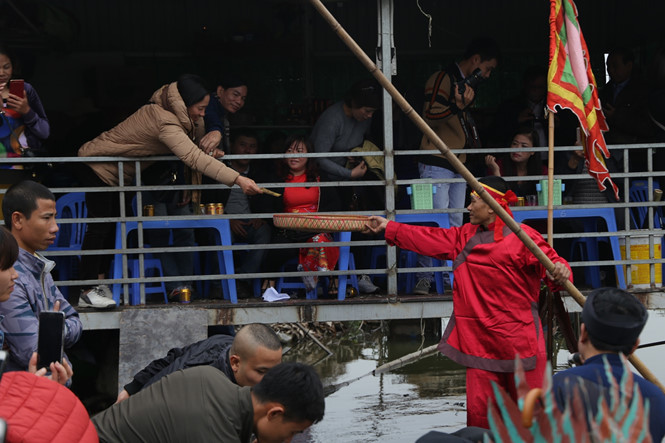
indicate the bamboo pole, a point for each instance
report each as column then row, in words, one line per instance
column 408, row 358
column 550, row 234
column 459, row 166
column 395, row 364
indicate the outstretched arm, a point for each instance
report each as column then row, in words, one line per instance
column 375, row 225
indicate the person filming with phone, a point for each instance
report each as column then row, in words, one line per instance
column 449, row 98
column 29, row 212
column 23, row 122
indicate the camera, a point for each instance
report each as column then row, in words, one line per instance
column 472, row 80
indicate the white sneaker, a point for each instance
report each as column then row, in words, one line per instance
column 422, row 287
column 99, row 297
column 106, row 291
column 366, row 286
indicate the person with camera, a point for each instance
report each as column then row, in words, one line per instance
column 449, row 93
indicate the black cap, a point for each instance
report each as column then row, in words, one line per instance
column 614, row 316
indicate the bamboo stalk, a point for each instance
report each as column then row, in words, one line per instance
column 314, row 339
column 459, row 166
column 408, row 358
column 395, row 364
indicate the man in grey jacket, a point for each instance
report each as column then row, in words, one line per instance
column 29, row 212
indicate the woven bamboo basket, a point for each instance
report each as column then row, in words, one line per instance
column 320, row 223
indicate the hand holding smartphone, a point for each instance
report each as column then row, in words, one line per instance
column 17, row 87
column 50, row 342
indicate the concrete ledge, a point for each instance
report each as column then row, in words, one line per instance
column 291, row 311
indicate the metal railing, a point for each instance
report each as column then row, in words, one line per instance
column 126, row 191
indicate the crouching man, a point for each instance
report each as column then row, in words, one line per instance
column 202, row 404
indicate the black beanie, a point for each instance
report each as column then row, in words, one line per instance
column 614, row 316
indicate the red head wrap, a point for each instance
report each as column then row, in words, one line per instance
column 504, row 199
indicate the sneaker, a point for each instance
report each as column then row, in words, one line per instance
column 106, row 291
column 366, row 286
column 99, row 297
column 422, row 287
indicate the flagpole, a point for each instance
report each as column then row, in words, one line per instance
column 550, row 232
column 459, row 166
column 550, row 180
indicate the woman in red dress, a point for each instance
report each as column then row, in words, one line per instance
column 306, row 198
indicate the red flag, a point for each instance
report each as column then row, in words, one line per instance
column 571, row 85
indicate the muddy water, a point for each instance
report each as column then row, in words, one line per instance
column 403, row 405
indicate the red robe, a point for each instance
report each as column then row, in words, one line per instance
column 495, row 294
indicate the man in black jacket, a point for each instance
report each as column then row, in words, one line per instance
column 244, row 359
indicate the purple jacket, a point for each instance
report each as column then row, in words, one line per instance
column 34, row 292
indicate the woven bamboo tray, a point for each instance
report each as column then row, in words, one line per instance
column 320, row 223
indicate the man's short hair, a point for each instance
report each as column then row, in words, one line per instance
column 243, row 132
column 626, row 54
column 485, row 47
column 253, row 335
column 614, row 319
column 295, row 386
column 364, row 93
column 22, row 197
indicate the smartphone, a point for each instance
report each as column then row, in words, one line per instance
column 17, row 87
column 50, row 342
column 3, row 360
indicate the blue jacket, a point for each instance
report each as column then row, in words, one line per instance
column 215, row 120
column 214, row 116
column 592, row 375
column 34, row 292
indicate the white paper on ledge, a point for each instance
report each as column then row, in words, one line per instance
column 272, row 295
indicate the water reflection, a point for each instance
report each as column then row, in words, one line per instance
column 403, row 405
column 394, row 407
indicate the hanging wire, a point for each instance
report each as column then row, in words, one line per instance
column 429, row 24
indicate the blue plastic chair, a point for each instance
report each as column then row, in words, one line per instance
column 225, row 257
column 587, row 215
column 152, row 268
column 70, row 236
column 587, row 250
column 639, row 192
column 346, row 262
column 283, row 283
column 439, row 219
